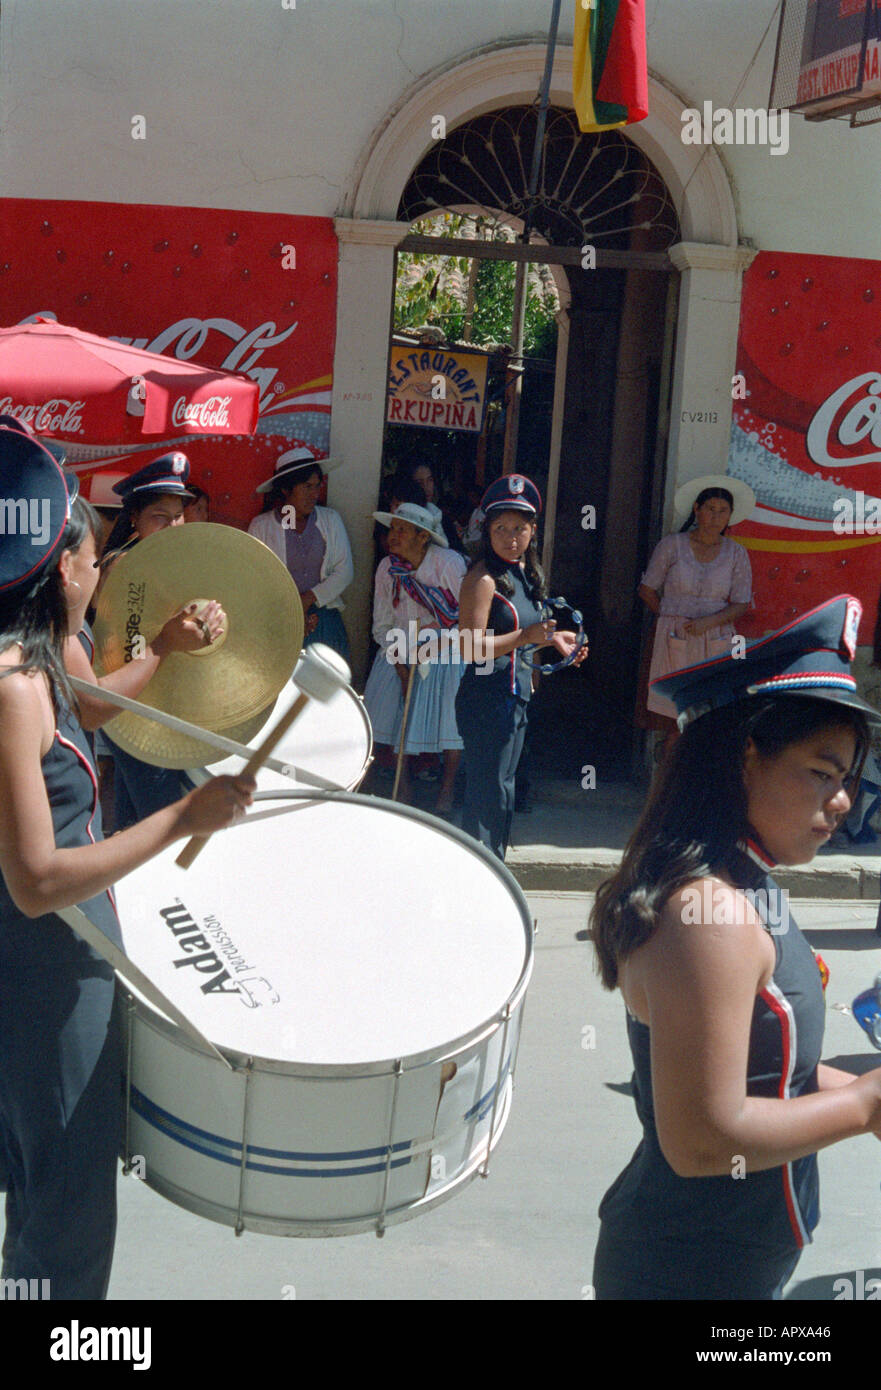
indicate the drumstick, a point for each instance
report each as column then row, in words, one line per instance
column 321, row 673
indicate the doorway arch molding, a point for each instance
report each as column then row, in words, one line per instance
column 510, row 75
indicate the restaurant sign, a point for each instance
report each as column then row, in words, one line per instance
column 436, row 388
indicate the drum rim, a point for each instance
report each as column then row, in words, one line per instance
column 386, row 1065
column 206, row 768
column 241, row 1062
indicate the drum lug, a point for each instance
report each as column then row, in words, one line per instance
column 484, row 1168
column 380, row 1221
column 248, row 1068
column 127, row 1142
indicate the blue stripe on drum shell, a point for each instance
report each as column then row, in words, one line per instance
column 197, row 1139
column 481, row 1108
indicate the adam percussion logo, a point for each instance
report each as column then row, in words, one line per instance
column 197, row 949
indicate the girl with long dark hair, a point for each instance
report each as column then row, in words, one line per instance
column 60, row 1055
column 500, row 615
column 724, row 997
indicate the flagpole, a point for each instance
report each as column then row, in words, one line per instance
column 514, row 386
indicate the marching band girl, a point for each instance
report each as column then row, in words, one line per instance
column 60, row 1057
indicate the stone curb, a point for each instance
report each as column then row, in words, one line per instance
column 547, row 868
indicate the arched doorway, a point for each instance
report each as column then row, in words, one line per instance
column 708, row 261
column 606, row 221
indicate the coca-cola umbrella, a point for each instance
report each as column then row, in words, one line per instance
column 106, row 399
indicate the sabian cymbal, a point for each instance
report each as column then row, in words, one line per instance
column 228, row 687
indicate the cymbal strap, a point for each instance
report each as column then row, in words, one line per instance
column 131, row 975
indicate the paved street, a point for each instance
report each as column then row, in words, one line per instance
column 528, row 1231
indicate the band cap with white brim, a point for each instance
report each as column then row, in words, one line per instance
column 810, row 658
column 165, row 476
column 742, row 495
column 512, row 492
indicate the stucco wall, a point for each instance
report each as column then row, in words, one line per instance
column 252, row 105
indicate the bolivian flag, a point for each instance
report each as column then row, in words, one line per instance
column 609, row 67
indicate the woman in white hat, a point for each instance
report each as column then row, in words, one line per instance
column 698, row 583
column 416, row 601
column 311, row 541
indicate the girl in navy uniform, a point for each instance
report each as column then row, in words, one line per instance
column 724, row 996
column 60, row 1057
column 499, row 615
column 152, row 499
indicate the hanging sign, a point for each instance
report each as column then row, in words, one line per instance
column 436, row 388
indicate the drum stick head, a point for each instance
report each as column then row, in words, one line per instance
column 321, row 672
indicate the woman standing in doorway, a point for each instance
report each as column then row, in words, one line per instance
column 499, row 616
column 311, row 541
column 698, row 583
column 416, row 593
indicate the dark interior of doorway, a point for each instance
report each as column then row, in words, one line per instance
column 587, row 718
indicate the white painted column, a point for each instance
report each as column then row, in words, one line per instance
column 706, row 352
column 365, row 292
column 559, row 409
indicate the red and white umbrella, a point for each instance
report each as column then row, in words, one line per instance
column 105, row 399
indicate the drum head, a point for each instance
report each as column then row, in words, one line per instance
column 330, row 739
column 345, row 932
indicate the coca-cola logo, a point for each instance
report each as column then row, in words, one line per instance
column 210, row 414
column 57, row 416
column 185, row 338
column 856, row 407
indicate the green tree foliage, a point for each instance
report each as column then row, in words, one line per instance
column 472, row 300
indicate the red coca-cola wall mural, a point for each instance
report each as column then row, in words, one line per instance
column 806, row 434
column 246, row 291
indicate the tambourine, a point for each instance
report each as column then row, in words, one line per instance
column 547, row 668
column 867, row 1012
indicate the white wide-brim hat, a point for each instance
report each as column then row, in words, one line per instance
column 742, row 495
column 417, row 516
column 293, row 461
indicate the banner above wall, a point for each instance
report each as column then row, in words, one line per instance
column 806, row 434
column 436, row 388
column 245, row 292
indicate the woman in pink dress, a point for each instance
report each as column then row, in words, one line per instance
column 698, row 583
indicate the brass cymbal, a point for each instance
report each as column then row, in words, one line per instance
column 228, row 687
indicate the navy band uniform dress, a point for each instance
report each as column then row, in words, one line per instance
column 491, row 708
column 60, row 1063
column 738, row 1236
column 665, row 1237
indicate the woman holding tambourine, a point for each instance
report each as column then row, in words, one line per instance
column 698, row 583
column 500, row 615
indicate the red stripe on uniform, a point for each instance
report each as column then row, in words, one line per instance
column 91, row 771
column 779, row 1005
